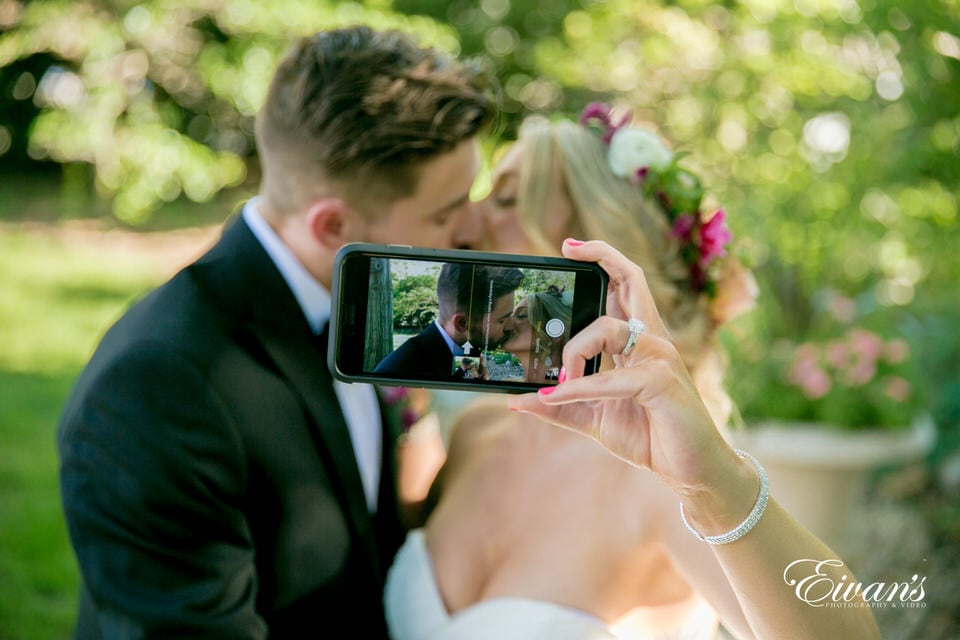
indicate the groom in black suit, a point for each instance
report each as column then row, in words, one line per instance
column 475, row 315
column 216, row 482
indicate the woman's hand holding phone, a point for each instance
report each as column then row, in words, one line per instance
column 646, row 410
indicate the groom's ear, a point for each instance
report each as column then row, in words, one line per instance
column 328, row 220
column 460, row 322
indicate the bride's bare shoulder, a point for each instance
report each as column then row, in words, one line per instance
column 472, row 442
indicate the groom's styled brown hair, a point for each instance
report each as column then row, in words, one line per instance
column 355, row 113
column 473, row 289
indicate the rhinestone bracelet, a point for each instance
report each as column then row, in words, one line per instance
column 744, row 527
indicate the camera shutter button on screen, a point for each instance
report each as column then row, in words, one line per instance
column 554, row 327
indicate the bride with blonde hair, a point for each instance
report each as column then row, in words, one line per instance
column 540, row 532
column 538, row 349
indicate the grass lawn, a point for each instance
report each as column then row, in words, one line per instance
column 60, row 287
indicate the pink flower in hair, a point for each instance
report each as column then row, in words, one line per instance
column 409, row 417
column 600, row 113
column 714, row 237
column 683, row 225
column 393, row 395
column 595, row 111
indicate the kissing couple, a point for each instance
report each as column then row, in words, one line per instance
column 218, row 483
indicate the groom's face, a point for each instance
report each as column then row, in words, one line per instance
column 439, row 214
column 495, row 325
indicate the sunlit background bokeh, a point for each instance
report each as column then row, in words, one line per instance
column 829, row 131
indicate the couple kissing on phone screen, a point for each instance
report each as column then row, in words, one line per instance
column 217, row 482
column 479, row 321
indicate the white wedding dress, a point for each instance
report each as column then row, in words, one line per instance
column 415, row 610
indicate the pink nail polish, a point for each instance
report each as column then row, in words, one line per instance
column 573, row 243
column 562, row 375
column 545, row 391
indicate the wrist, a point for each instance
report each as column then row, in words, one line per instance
column 725, row 498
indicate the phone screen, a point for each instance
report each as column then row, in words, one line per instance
column 460, row 319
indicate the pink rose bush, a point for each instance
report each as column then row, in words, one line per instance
column 853, row 372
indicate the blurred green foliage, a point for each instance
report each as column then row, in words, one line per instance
column 824, row 126
column 158, row 96
column 821, row 119
column 414, row 302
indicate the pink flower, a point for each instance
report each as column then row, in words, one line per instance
column 683, row 225
column 595, row 111
column 806, row 354
column 409, row 417
column 393, row 395
column 842, row 308
column 814, row 382
column 838, row 354
column 866, row 344
column 861, row 373
column 897, row 388
column 805, row 372
column 600, row 113
column 714, row 237
column 896, row 351
column 737, row 292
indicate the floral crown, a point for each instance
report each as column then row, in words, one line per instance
column 641, row 156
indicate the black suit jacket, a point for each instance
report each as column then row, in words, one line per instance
column 207, row 474
column 425, row 355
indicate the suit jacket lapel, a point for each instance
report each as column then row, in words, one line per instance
column 305, row 368
column 240, row 275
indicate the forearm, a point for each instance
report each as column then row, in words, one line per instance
column 756, row 563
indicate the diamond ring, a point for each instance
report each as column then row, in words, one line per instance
column 636, row 327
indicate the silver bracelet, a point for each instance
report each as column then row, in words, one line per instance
column 744, row 527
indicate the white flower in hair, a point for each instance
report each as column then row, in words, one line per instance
column 642, row 157
column 633, row 149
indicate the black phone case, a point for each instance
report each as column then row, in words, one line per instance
column 340, row 290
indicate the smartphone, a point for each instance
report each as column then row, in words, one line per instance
column 453, row 319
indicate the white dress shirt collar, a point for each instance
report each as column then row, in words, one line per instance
column 454, row 349
column 313, row 297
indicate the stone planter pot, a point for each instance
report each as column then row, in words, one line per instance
column 818, row 473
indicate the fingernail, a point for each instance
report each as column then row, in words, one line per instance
column 563, row 375
column 573, row 243
column 545, row 391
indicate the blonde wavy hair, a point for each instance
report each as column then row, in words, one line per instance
column 564, row 155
